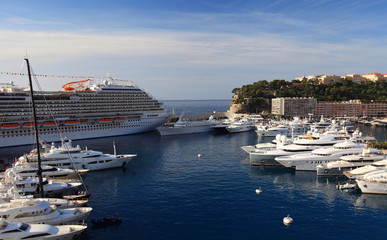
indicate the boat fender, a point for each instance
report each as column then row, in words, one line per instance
column 83, row 166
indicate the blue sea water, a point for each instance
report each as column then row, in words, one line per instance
column 188, row 107
column 168, row 192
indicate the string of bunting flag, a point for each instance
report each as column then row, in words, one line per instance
column 48, row 75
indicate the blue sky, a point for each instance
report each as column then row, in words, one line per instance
column 185, row 49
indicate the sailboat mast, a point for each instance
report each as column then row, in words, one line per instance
column 36, row 132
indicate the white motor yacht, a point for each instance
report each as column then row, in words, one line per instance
column 243, row 125
column 67, row 156
column 28, row 186
column 349, row 162
column 25, row 169
column 267, row 145
column 309, row 161
column 17, row 230
column 301, row 144
column 29, row 211
column 373, row 182
column 265, row 156
column 273, row 131
column 183, row 126
column 376, row 166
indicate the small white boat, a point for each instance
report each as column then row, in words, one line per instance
column 347, row 186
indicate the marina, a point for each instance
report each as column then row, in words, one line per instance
column 168, row 191
column 285, row 136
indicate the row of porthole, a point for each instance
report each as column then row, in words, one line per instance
column 30, row 133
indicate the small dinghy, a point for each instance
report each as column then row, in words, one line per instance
column 347, row 186
column 102, row 222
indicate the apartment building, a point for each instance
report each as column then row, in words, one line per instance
column 293, row 107
column 353, row 108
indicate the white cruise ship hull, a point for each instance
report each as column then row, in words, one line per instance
column 52, row 134
column 84, row 109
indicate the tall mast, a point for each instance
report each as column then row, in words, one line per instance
column 40, row 187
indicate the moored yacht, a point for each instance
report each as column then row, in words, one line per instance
column 309, row 161
column 273, row 131
column 29, row 211
column 17, row 230
column 183, row 126
column 349, row 162
column 25, row 170
column 67, row 156
column 301, row 144
column 29, row 186
column 358, row 172
column 373, row 182
column 243, row 125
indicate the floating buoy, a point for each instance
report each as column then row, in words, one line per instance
column 258, row 191
column 199, row 155
column 288, row 220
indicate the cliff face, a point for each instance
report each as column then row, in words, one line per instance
column 238, row 108
column 250, row 105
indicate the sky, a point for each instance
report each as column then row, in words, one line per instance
column 191, row 49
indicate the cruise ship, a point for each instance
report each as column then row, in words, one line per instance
column 82, row 110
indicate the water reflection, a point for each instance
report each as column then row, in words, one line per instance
column 372, row 201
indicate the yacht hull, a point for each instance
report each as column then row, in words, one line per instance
column 372, row 187
column 257, row 159
column 167, row 131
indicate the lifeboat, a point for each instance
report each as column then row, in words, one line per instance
column 9, row 125
column 71, row 122
column 50, row 124
column 119, row 119
column 106, row 120
column 30, row 124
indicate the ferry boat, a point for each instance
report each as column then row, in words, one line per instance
column 83, row 109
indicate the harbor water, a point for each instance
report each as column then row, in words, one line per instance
column 169, row 192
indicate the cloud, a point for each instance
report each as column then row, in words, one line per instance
column 189, row 60
column 27, row 21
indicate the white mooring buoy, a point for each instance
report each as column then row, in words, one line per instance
column 288, row 220
column 199, row 155
column 258, row 191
